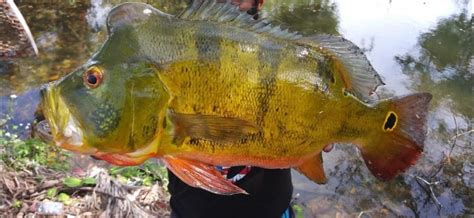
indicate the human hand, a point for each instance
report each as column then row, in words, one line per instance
column 328, row 148
column 244, row 5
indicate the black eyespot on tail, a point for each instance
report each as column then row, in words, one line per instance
column 390, row 121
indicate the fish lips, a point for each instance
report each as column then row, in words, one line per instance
column 70, row 143
column 71, row 139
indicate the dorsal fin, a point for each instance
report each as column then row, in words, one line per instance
column 359, row 77
column 225, row 12
column 130, row 14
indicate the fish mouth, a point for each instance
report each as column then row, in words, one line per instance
column 43, row 131
column 70, row 141
column 60, row 126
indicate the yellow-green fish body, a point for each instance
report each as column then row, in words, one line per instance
column 212, row 86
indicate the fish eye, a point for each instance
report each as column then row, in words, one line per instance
column 93, row 77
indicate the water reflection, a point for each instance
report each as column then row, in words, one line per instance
column 443, row 66
column 414, row 51
column 308, row 17
column 63, row 42
column 67, row 33
column 444, row 63
column 419, row 41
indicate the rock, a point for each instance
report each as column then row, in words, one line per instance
column 50, row 208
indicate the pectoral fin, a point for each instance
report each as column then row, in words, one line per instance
column 224, row 130
column 313, row 169
column 201, row 175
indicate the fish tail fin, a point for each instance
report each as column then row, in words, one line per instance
column 399, row 142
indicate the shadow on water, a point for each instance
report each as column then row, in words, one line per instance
column 439, row 61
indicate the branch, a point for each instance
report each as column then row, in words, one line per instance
column 430, row 186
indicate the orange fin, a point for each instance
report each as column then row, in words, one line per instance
column 201, row 175
column 122, row 159
column 313, row 169
column 402, row 136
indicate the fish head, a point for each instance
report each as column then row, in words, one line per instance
column 115, row 102
column 112, row 104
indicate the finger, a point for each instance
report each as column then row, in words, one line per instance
column 328, row 148
column 246, row 5
column 260, row 4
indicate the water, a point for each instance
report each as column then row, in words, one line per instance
column 417, row 46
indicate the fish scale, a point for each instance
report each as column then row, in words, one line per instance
column 262, row 97
column 213, row 86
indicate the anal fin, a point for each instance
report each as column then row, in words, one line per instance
column 201, row 175
column 313, row 169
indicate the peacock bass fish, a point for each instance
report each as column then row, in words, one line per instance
column 213, row 86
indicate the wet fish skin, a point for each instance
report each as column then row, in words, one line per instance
column 201, row 89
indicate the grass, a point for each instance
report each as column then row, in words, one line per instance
column 20, row 153
column 147, row 174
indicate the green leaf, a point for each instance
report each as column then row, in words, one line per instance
column 148, row 181
column 115, row 170
column 298, row 210
column 122, row 179
column 17, row 204
column 72, row 182
column 51, row 193
column 65, row 198
column 89, row 181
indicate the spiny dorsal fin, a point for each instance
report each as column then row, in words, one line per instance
column 362, row 79
column 130, row 14
column 225, row 12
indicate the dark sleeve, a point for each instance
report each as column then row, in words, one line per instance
column 269, row 191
